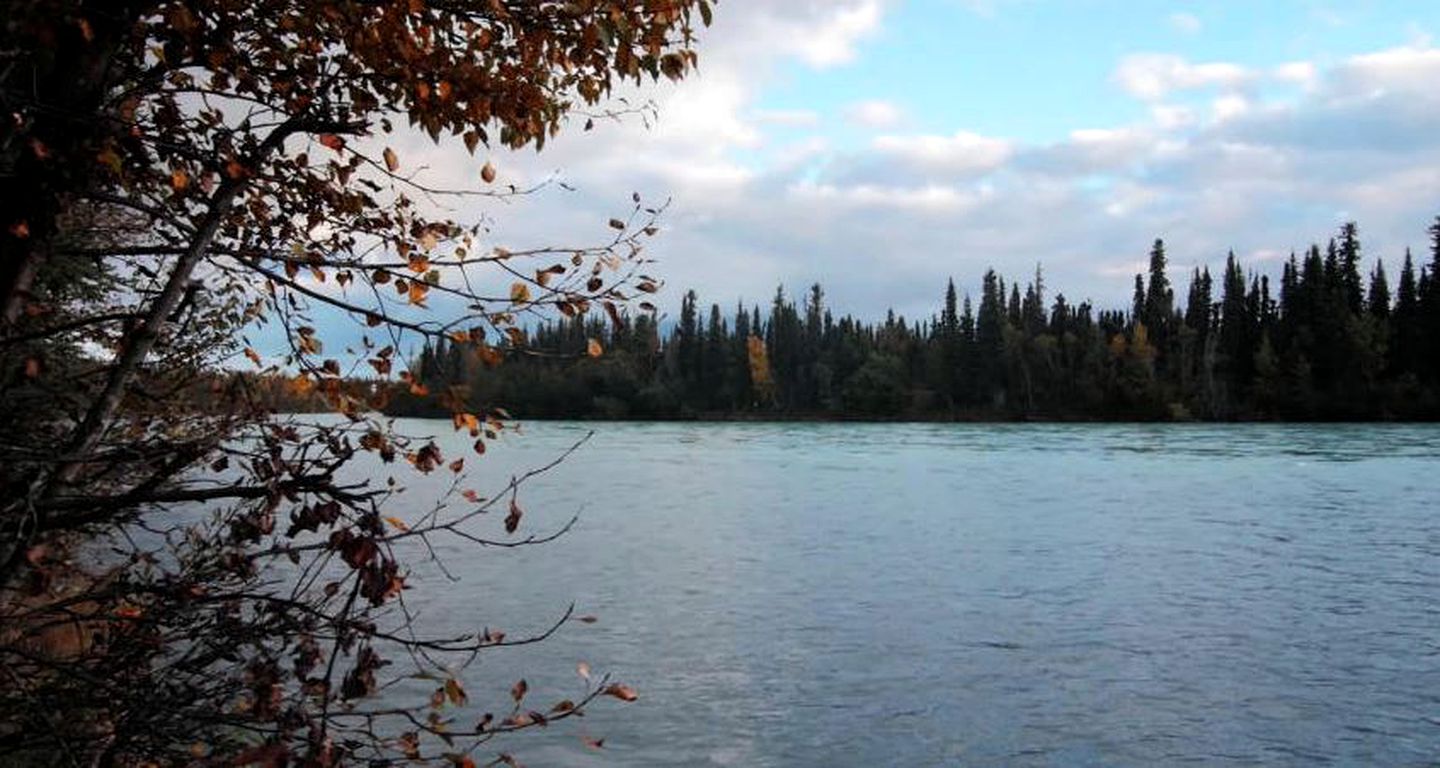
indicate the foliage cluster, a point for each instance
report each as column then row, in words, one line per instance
column 214, row 585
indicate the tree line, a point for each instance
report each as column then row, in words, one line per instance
column 1330, row 341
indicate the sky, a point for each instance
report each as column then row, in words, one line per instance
column 880, row 147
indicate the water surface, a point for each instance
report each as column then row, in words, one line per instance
column 835, row 594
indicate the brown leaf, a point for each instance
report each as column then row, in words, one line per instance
column 617, row 224
column 455, row 693
column 332, row 141
column 517, row 691
column 621, row 692
column 487, row 173
column 593, row 348
column 392, row 162
column 512, row 520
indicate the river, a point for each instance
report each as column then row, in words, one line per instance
column 892, row 594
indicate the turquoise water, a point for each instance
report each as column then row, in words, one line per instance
column 835, row 594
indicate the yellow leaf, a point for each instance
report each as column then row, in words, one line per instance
column 397, row 523
column 519, row 293
column 391, row 161
column 455, row 693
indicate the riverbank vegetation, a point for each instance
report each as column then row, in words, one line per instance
column 1327, row 341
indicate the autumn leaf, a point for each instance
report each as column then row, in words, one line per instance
column 621, row 692
column 512, row 520
column 519, row 293
column 593, row 348
column 392, row 162
column 517, row 692
column 455, row 693
column 253, row 355
column 583, row 670
column 617, row 224
column 397, row 523
column 593, row 743
column 457, row 465
column 487, row 173
column 179, row 180
column 332, row 141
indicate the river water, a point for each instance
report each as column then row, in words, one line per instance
column 840, row 594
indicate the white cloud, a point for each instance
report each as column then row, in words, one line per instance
column 1169, row 117
column 1302, row 73
column 1229, row 107
column 874, row 113
column 795, row 118
column 833, row 42
column 1153, row 76
column 1407, row 70
column 963, row 152
column 1186, row 23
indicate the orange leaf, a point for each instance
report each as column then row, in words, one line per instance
column 179, row 180
column 332, row 141
column 396, row 522
column 593, row 348
column 253, row 355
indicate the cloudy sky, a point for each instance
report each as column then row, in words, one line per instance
column 881, row 146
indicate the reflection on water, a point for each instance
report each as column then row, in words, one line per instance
column 971, row 594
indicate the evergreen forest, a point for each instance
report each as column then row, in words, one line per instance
column 1333, row 340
